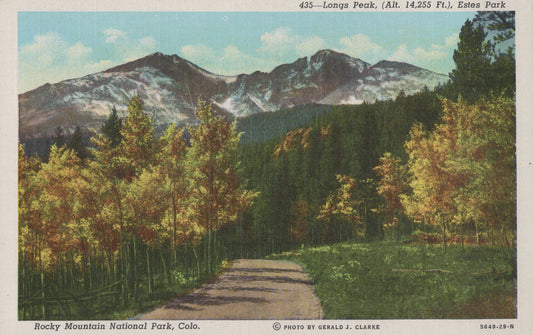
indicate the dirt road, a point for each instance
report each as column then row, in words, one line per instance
column 248, row 290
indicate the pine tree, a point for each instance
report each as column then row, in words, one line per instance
column 76, row 144
column 471, row 76
column 483, row 67
column 111, row 128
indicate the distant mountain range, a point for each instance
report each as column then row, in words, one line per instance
column 171, row 86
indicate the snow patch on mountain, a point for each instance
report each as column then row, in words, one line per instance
column 263, row 105
column 229, row 105
column 352, row 100
column 226, row 79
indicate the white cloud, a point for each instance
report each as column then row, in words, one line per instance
column 278, row 41
column 362, row 47
column 232, row 54
column 198, row 53
column 99, row 66
column 234, row 61
column 229, row 61
column 137, row 49
column 127, row 48
column 41, row 61
column 113, row 35
column 49, row 58
column 435, row 53
column 401, row 54
column 44, row 49
column 418, row 56
column 451, row 41
column 147, row 42
column 284, row 42
column 360, row 43
column 433, row 58
column 77, row 51
column 131, row 56
column 43, row 42
column 310, row 45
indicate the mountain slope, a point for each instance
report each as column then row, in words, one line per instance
column 171, row 86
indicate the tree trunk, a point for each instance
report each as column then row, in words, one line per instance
column 165, row 269
column 476, row 224
column 504, row 236
column 22, row 282
column 43, row 297
column 444, row 235
column 90, row 275
column 209, row 241
column 135, row 279
column 197, row 263
column 149, row 272
column 462, row 234
column 492, row 234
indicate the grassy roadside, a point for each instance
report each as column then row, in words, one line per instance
column 385, row 280
column 135, row 310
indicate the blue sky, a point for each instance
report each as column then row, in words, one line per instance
column 53, row 46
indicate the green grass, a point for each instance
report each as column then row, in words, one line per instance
column 385, row 280
column 164, row 296
column 110, row 307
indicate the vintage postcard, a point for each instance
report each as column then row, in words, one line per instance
column 300, row 167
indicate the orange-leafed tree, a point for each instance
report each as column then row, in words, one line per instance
column 391, row 185
column 138, row 145
column 146, row 203
column 434, row 184
column 486, row 155
column 340, row 210
column 301, row 214
column 463, row 171
column 172, row 168
column 28, row 213
column 60, row 238
column 62, row 225
column 31, row 245
column 216, row 194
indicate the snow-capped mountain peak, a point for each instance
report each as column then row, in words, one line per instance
column 171, row 87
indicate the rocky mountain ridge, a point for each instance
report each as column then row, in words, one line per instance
column 171, row 86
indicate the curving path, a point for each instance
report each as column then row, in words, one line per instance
column 248, row 290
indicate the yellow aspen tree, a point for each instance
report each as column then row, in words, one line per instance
column 391, row 175
column 172, row 168
column 215, row 185
column 341, row 207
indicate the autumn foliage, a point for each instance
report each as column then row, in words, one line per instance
column 462, row 173
column 137, row 198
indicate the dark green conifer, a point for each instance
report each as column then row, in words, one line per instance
column 111, row 128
